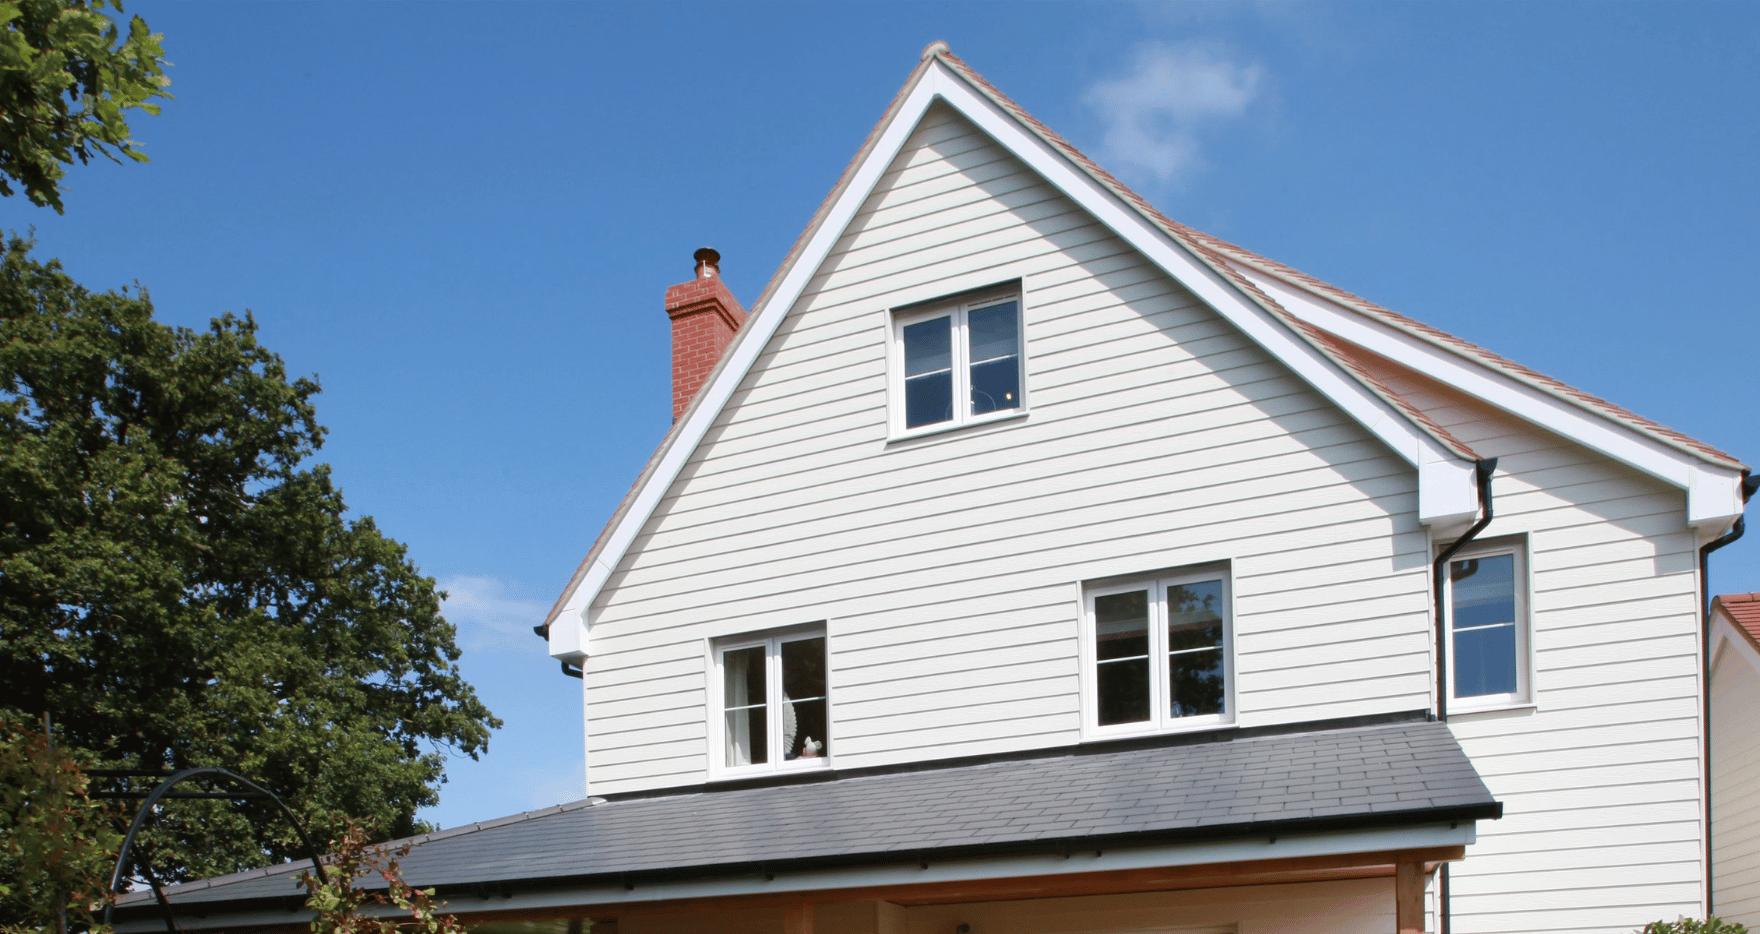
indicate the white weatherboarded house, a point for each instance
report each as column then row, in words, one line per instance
column 1030, row 562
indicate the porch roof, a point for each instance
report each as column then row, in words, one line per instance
column 1312, row 778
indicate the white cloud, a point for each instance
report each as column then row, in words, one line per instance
column 490, row 618
column 1154, row 115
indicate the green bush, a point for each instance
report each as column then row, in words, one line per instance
column 1711, row 925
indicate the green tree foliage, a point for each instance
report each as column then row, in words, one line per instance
column 1689, row 926
column 67, row 79
column 340, row 906
column 178, row 587
column 57, row 846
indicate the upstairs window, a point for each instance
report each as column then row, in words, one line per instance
column 773, row 703
column 1487, row 596
column 1159, row 653
column 957, row 362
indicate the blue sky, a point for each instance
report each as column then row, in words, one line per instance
column 462, row 217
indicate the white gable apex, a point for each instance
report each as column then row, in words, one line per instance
column 1447, row 492
column 1291, row 325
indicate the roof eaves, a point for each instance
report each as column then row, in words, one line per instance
column 1469, row 351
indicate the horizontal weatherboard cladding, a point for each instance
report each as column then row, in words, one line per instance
column 947, row 568
column 1601, row 778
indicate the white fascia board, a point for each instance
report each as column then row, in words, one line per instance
column 568, row 631
column 912, row 873
column 1725, row 638
column 1447, row 495
column 1714, row 497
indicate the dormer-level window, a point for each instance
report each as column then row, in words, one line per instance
column 1487, row 593
column 773, row 703
column 957, row 362
column 1159, row 653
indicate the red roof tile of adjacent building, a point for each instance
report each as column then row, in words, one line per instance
column 1743, row 609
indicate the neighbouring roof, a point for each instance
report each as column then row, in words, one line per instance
column 1743, row 609
column 1211, row 786
column 1231, row 262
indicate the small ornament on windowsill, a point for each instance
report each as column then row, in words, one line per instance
column 810, row 748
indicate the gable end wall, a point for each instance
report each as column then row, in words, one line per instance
column 949, row 567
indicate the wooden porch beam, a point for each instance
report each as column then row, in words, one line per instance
column 1408, row 896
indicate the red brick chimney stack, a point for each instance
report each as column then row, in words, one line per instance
column 705, row 316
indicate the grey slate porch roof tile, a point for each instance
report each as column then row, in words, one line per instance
column 1237, row 783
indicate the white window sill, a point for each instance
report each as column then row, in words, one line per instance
column 792, row 766
column 1099, row 735
column 1457, row 709
column 941, row 428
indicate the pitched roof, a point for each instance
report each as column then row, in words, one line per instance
column 1743, row 609
column 1223, row 785
column 1227, row 261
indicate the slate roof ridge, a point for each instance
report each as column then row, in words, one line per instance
column 1210, row 250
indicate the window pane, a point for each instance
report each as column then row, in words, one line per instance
column 803, row 696
column 1194, row 615
column 1484, row 591
column 1195, row 681
column 1195, row 684
column 744, row 670
column 1484, row 618
column 1485, row 661
column 1123, row 688
column 1121, row 631
column 928, row 399
column 803, row 667
column 928, row 346
column 746, row 737
column 1121, row 625
column 743, row 688
column 993, row 332
column 808, row 739
column 996, row 385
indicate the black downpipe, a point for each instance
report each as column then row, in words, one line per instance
column 1735, row 531
column 1483, row 468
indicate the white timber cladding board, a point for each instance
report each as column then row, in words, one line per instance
column 1714, row 494
column 1443, row 479
column 1604, row 773
column 1735, row 764
column 944, row 569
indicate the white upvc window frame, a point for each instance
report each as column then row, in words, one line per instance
column 1523, row 695
column 956, row 308
column 1160, row 720
column 771, row 641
